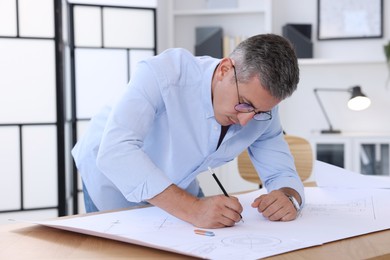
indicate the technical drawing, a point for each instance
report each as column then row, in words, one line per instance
column 251, row 241
column 362, row 207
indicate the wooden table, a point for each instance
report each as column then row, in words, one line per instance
column 29, row 241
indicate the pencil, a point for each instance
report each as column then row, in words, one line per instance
column 220, row 186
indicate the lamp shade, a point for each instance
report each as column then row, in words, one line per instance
column 358, row 100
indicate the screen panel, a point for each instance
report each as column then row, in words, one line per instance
column 87, row 26
column 81, row 128
column 101, row 75
column 36, row 18
column 136, row 56
column 80, row 198
column 40, row 166
column 68, row 84
column 128, row 28
column 68, row 160
column 10, row 168
column 8, row 18
column 28, row 84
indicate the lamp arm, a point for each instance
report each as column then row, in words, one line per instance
column 323, row 109
column 356, row 91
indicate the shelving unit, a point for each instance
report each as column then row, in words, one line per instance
column 223, row 11
column 314, row 61
column 372, row 155
column 364, row 153
column 248, row 18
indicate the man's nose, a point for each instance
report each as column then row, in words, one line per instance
column 244, row 118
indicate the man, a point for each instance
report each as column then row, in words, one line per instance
column 182, row 114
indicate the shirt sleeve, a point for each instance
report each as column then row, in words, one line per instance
column 271, row 157
column 120, row 156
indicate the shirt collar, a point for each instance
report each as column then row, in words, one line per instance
column 209, row 67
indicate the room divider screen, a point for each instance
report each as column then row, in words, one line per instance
column 105, row 44
column 31, row 104
column 60, row 62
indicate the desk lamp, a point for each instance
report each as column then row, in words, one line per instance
column 357, row 102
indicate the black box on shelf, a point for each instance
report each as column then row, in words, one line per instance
column 300, row 36
column 209, row 41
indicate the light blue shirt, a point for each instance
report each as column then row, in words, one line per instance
column 163, row 131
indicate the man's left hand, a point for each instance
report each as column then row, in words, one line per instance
column 275, row 206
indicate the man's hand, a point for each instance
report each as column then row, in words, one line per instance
column 276, row 206
column 217, row 211
column 209, row 212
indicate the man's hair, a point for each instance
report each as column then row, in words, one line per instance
column 272, row 59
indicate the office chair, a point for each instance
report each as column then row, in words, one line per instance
column 301, row 151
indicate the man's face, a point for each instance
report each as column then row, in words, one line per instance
column 226, row 95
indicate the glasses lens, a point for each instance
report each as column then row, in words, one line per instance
column 263, row 116
column 244, row 108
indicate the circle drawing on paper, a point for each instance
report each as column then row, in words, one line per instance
column 251, row 241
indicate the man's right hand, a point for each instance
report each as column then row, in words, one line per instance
column 217, row 211
column 209, row 212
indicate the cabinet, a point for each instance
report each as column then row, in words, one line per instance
column 238, row 19
column 365, row 154
column 372, row 156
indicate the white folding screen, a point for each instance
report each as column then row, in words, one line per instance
column 106, row 42
column 28, row 105
column 51, row 85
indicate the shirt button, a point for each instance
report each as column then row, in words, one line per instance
column 215, row 127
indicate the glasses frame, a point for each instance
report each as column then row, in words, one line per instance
column 243, row 107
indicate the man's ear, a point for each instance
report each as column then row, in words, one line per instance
column 224, row 66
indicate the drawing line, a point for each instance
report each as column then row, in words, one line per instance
column 373, row 207
column 162, row 224
column 112, row 224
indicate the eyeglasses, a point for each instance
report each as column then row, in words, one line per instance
column 247, row 108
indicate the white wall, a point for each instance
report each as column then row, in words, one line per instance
column 305, row 11
column 333, row 67
column 298, row 11
column 301, row 114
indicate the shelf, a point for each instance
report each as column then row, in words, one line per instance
column 202, row 12
column 335, row 61
column 238, row 20
column 318, row 135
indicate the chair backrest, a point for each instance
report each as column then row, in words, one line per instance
column 301, row 151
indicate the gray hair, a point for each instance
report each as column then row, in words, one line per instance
column 272, row 59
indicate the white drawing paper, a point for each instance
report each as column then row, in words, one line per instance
column 327, row 175
column 330, row 214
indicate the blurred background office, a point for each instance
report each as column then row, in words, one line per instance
column 60, row 61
